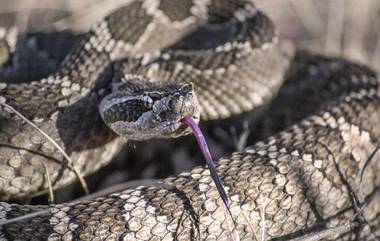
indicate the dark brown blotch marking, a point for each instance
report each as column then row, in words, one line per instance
column 177, row 10
column 129, row 23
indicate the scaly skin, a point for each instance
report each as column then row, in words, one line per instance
column 304, row 179
column 65, row 104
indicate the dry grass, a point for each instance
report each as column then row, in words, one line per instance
column 347, row 28
column 70, row 164
column 57, row 14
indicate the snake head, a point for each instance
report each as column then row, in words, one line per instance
column 155, row 112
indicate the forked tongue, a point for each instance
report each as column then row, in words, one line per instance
column 210, row 163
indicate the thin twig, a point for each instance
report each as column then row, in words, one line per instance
column 233, row 231
column 250, row 225
column 263, row 207
column 24, row 217
column 104, row 192
column 51, row 193
column 368, row 161
column 240, row 140
column 70, row 162
column 119, row 187
column 327, row 233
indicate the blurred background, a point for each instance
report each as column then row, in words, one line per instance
column 339, row 27
column 348, row 28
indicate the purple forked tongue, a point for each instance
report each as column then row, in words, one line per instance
column 206, row 153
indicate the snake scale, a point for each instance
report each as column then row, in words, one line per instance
column 320, row 173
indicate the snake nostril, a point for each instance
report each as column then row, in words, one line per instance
column 173, row 104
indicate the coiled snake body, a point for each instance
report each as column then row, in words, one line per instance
column 317, row 174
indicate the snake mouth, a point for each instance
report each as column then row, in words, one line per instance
column 187, row 129
column 171, row 117
column 177, row 128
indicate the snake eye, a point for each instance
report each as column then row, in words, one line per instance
column 171, row 103
column 148, row 102
column 187, row 88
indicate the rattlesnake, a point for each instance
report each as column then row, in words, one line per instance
column 304, row 179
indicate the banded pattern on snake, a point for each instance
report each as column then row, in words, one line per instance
column 310, row 174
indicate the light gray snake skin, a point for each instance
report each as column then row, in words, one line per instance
column 320, row 173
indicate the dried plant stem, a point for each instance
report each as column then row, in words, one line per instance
column 51, row 193
column 327, row 233
column 69, row 161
